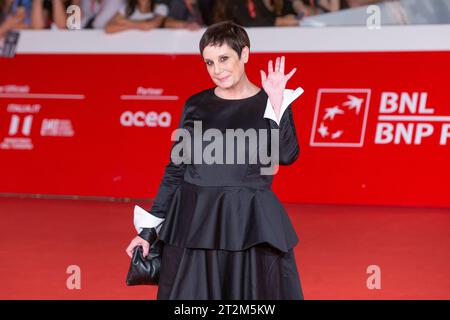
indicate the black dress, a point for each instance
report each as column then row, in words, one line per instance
column 225, row 233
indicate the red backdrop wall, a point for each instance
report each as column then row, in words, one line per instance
column 99, row 124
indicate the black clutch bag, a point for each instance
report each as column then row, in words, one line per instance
column 145, row 271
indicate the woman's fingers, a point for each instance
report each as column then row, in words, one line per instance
column 138, row 242
column 290, row 74
column 146, row 248
column 270, row 67
column 279, row 65
column 263, row 76
column 129, row 250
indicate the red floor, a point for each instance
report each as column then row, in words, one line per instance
column 40, row 238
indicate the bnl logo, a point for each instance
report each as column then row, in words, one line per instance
column 340, row 117
column 18, row 125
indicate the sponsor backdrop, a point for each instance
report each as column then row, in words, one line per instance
column 374, row 126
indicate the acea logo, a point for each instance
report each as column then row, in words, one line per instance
column 403, row 118
column 145, row 119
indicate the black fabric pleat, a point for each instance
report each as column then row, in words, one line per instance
column 257, row 273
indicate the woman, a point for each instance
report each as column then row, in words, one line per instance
column 184, row 14
column 142, row 15
column 225, row 233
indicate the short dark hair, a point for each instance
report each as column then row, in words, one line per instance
column 227, row 32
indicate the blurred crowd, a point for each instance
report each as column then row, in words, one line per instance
column 120, row 15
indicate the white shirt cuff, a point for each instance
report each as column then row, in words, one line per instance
column 289, row 96
column 144, row 219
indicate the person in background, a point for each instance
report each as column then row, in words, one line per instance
column 20, row 6
column 313, row 7
column 90, row 9
column 303, row 8
column 53, row 13
column 256, row 13
column 139, row 15
column 184, row 14
column 97, row 13
column 359, row 3
column 15, row 14
column 48, row 14
column 109, row 9
column 207, row 8
column 3, row 10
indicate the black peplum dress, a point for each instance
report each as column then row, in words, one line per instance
column 226, row 235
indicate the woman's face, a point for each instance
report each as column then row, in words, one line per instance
column 224, row 66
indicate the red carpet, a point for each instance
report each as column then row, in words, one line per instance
column 40, row 238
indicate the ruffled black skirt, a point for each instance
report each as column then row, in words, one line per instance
column 257, row 273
